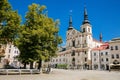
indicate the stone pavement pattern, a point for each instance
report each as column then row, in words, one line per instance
column 59, row 74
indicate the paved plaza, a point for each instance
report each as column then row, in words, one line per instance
column 59, row 74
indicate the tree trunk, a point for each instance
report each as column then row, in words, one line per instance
column 25, row 65
column 39, row 64
column 31, row 65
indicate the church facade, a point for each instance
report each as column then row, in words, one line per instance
column 79, row 44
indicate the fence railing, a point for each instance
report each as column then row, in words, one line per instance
column 19, row 71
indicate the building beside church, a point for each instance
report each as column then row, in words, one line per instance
column 79, row 44
column 100, row 57
column 8, row 55
column 114, row 48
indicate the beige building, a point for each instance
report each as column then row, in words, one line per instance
column 100, row 57
column 9, row 52
column 79, row 44
column 115, row 51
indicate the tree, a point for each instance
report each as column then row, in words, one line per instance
column 39, row 36
column 9, row 22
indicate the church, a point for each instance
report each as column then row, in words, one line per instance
column 79, row 43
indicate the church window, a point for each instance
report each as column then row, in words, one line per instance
column 89, row 29
column 73, row 53
column 83, row 29
column 73, row 43
column 85, row 59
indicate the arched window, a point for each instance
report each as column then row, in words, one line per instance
column 88, row 29
column 73, row 53
column 83, row 29
column 73, row 43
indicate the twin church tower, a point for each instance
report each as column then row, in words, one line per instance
column 77, row 52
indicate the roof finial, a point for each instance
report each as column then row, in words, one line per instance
column 70, row 21
column 85, row 16
column 100, row 37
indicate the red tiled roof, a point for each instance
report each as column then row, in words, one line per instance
column 102, row 47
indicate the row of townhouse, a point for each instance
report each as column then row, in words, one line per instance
column 106, row 55
column 82, row 51
column 8, row 55
column 102, row 57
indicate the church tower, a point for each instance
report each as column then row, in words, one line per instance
column 70, row 23
column 86, row 30
column 87, row 39
column 69, row 34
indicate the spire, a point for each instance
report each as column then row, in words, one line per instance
column 70, row 22
column 100, row 37
column 85, row 16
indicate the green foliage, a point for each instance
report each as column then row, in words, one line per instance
column 39, row 35
column 9, row 22
column 62, row 66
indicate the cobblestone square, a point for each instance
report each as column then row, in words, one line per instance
column 59, row 74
